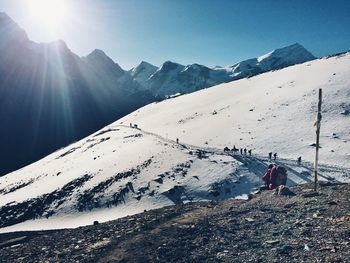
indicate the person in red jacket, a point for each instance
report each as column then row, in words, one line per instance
column 267, row 176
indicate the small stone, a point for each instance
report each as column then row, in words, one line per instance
column 332, row 203
column 311, row 194
column 272, row 242
column 316, row 216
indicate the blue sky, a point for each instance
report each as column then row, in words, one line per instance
column 216, row 32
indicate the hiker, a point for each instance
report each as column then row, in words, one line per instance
column 270, row 155
column 299, row 160
column 245, row 151
column 275, row 156
column 234, row 149
column 267, row 176
column 130, row 125
column 278, row 176
column 177, row 140
column 241, row 150
column 250, row 152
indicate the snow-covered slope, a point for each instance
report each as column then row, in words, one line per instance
column 122, row 170
column 172, row 78
column 274, row 111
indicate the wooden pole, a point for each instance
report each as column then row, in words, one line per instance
column 318, row 127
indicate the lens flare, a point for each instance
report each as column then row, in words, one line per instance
column 50, row 13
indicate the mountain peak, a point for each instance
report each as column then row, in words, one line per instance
column 296, row 44
column 195, row 66
column 168, row 62
column 145, row 64
column 98, row 58
column 10, row 32
column 292, row 54
column 4, row 17
column 293, row 47
column 142, row 72
column 170, row 65
column 100, row 55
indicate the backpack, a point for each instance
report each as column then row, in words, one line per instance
column 281, row 176
column 278, row 176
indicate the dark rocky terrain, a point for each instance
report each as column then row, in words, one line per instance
column 308, row 227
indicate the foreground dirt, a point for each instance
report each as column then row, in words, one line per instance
column 307, row 227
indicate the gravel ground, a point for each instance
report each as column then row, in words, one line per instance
column 307, row 227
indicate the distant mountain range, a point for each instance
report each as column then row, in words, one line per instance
column 50, row 97
column 172, row 78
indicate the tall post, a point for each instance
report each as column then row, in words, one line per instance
column 318, row 127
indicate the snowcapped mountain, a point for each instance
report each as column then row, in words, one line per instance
column 50, row 97
column 123, row 169
column 98, row 59
column 276, row 59
column 172, row 78
column 143, row 72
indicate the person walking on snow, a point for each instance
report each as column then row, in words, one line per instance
column 270, row 155
column 275, row 156
column 299, row 160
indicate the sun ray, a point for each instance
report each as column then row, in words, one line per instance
column 50, row 13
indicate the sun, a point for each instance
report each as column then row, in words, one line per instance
column 50, row 13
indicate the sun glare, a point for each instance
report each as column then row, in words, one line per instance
column 50, row 13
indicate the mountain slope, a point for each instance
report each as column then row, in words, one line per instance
column 50, row 97
column 122, row 170
column 262, row 112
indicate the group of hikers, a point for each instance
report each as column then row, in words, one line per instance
column 134, row 126
column 243, row 151
column 275, row 175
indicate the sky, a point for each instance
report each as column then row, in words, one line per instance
column 208, row 32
